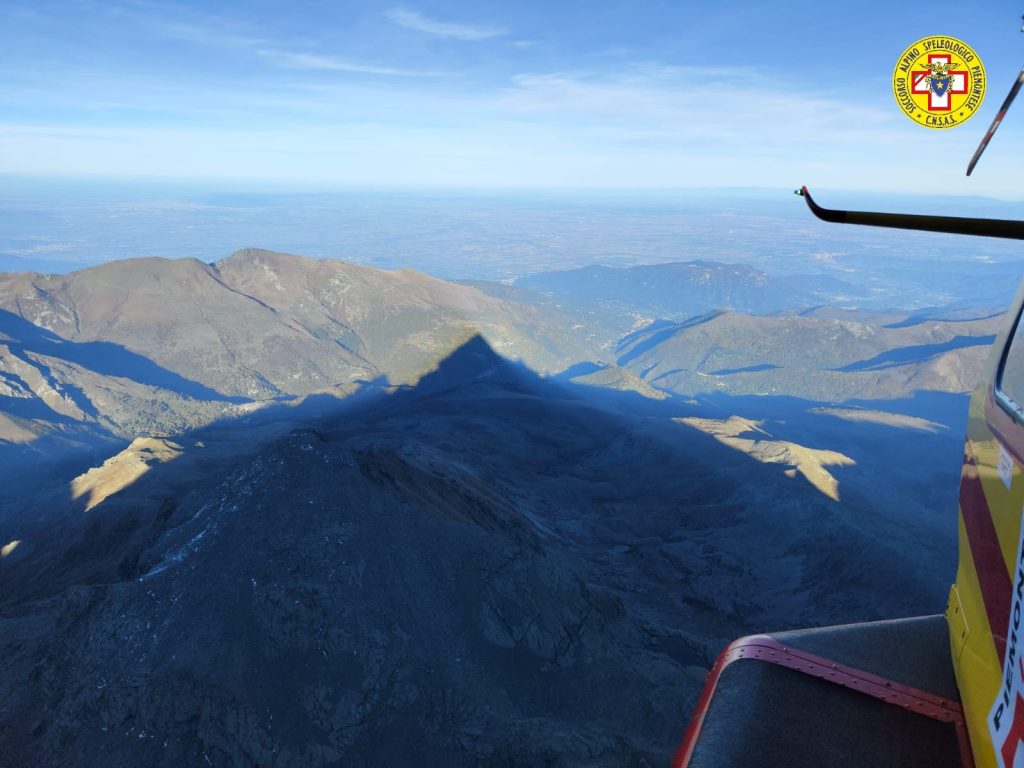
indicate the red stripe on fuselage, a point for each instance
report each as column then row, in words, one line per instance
column 996, row 587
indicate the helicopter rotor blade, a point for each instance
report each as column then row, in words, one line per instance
column 956, row 225
column 998, row 119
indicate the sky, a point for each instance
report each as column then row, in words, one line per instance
column 569, row 94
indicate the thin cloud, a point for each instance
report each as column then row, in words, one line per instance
column 410, row 19
column 714, row 105
column 332, row 64
column 265, row 49
column 204, row 35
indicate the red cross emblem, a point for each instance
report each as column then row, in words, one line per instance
column 920, row 83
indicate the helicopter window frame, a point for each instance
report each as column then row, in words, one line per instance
column 1006, row 402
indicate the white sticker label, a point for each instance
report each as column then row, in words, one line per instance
column 1006, row 718
column 1005, row 467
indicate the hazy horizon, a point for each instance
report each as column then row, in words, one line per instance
column 492, row 96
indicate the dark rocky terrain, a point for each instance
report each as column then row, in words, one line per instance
column 488, row 568
column 277, row 511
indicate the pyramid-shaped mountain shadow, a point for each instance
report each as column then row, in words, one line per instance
column 81, row 541
column 71, row 536
column 475, row 370
column 101, row 357
column 483, row 568
column 474, row 362
column 373, row 588
column 472, row 379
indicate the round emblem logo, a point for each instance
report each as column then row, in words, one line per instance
column 939, row 82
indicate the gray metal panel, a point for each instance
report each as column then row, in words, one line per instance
column 768, row 716
column 913, row 651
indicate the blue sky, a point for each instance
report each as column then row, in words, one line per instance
column 488, row 94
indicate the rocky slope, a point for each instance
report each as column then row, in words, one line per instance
column 158, row 346
column 485, row 569
column 260, row 324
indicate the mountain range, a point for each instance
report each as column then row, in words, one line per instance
column 158, row 346
column 814, row 357
column 278, row 511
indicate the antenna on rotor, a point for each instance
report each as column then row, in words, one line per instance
column 999, row 115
